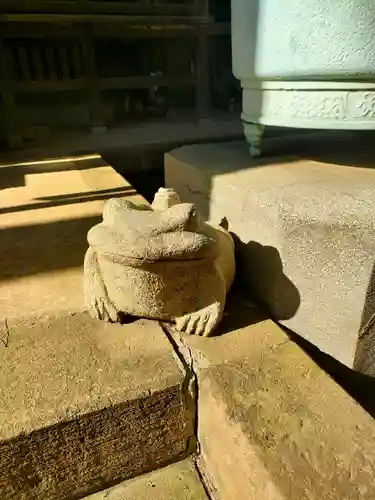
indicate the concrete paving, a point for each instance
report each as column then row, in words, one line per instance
column 144, row 136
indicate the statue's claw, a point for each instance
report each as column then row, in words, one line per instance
column 103, row 309
column 202, row 322
column 97, row 300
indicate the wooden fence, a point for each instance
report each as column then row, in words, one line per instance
column 49, row 46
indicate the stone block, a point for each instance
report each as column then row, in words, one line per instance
column 179, row 481
column 306, row 234
column 85, row 405
column 272, row 424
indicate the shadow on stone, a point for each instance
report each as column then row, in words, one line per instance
column 365, row 355
column 14, row 175
column 71, row 199
column 338, row 147
column 245, row 315
column 44, row 247
column 359, row 386
column 268, row 283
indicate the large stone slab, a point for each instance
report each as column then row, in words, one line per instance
column 85, row 404
column 272, row 424
column 46, row 209
column 306, row 224
column 179, row 481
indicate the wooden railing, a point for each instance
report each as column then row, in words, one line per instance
column 53, row 65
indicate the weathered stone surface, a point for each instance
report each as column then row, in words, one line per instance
column 225, row 262
column 164, row 264
column 85, row 404
column 179, row 481
column 46, row 209
column 307, row 231
column 273, row 425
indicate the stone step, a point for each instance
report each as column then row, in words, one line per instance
column 179, row 481
column 272, row 424
column 83, row 404
column 138, row 137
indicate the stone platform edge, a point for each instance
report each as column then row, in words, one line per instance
column 90, row 405
column 271, row 422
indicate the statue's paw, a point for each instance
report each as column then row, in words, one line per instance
column 104, row 310
column 202, row 322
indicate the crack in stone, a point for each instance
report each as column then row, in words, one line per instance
column 190, row 386
column 190, row 382
column 365, row 330
column 6, row 340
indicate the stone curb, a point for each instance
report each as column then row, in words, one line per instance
column 179, row 481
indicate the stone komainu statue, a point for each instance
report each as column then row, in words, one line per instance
column 161, row 263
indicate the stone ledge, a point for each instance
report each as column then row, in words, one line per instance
column 179, row 481
column 86, row 404
column 273, row 424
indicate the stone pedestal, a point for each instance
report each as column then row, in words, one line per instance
column 307, row 231
column 307, row 64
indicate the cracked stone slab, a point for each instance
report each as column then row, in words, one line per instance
column 86, row 404
column 272, row 424
column 179, row 481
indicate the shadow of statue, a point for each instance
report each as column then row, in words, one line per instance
column 365, row 354
column 260, row 274
column 239, row 313
column 359, row 386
